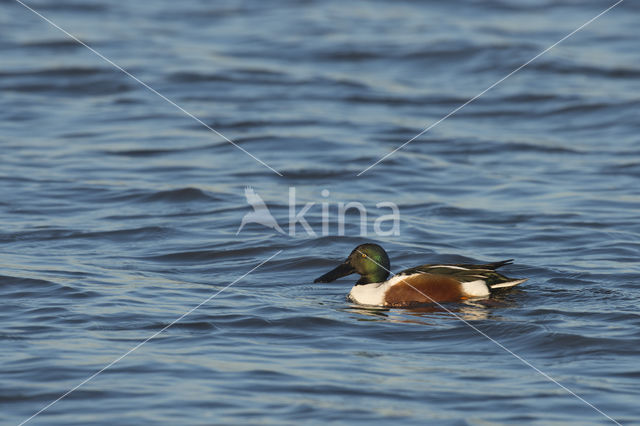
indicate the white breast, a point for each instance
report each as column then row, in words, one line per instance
column 368, row 294
column 373, row 294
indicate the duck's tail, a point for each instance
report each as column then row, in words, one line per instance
column 496, row 265
column 507, row 284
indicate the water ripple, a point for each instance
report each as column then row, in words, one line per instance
column 120, row 214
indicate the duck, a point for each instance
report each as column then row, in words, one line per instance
column 420, row 285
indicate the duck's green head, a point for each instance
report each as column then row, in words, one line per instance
column 368, row 260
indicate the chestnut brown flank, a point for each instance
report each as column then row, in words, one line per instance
column 409, row 292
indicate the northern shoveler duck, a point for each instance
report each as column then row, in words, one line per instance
column 415, row 286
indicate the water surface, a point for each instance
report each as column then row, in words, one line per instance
column 119, row 212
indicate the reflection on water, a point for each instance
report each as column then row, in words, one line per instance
column 433, row 314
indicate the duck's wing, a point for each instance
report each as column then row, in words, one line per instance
column 468, row 273
column 492, row 266
column 453, row 268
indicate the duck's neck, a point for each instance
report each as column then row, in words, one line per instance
column 375, row 277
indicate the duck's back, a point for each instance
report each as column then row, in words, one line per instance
column 464, row 273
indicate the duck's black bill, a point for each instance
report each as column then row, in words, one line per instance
column 342, row 270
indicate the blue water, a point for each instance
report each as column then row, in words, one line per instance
column 119, row 212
